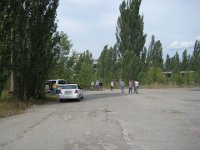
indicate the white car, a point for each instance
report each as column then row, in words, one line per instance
column 70, row 91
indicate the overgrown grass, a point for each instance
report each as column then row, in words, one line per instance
column 9, row 106
column 168, row 85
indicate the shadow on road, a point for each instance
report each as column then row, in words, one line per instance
column 94, row 95
column 102, row 95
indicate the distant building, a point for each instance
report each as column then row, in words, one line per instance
column 168, row 74
column 186, row 72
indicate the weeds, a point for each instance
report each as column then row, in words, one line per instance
column 9, row 106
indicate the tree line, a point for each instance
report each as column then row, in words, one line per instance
column 33, row 51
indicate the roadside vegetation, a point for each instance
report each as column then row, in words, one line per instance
column 31, row 54
column 10, row 106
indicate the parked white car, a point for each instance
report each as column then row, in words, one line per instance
column 70, row 91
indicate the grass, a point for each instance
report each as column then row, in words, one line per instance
column 9, row 106
column 168, row 85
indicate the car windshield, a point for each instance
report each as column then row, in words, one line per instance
column 69, row 87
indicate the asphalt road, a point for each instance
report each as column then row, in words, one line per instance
column 167, row 119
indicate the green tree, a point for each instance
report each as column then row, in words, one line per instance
column 150, row 52
column 130, row 37
column 167, row 63
column 33, row 46
column 61, row 68
column 185, row 61
column 85, row 75
column 108, row 65
column 86, row 57
column 6, row 22
column 196, row 55
column 196, row 60
column 154, row 57
column 71, row 67
column 175, row 63
column 157, row 60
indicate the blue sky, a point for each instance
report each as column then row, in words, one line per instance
column 91, row 24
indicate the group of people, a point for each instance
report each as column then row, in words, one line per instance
column 132, row 85
column 96, row 86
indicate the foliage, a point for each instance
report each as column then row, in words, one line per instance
column 167, row 65
column 195, row 60
column 32, row 47
column 5, row 41
column 154, row 75
column 9, row 106
column 85, row 75
column 154, row 57
column 185, row 61
column 108, row 65
column 129, row 66
column 60, row 69
column 130, row 37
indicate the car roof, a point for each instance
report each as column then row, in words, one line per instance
column 56, row 79
column 72, row 84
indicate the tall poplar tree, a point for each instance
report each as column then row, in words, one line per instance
column 130, row 38
column 175, row 63
column 185, row 61
column 6, row 22
column 154, row 57
column 29, row 39
column 167, row 63
column 196, row 60
column 196, row 55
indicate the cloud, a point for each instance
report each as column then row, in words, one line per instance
column 181, row 45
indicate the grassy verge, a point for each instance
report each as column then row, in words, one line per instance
column 9, row 106
column 169, row 85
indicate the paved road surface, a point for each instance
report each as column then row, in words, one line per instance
column 167, row 119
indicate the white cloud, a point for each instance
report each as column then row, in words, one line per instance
column 181, row 45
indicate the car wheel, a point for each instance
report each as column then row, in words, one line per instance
column 61, row 100
column 79, row 98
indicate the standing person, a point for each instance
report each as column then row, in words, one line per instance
column 92, row 85
column 111, row 85
column 130, row 85
column 122, row 86
column 97, row 85
column 100, row 86
column 136, row 86
column 54, row 88
column 51, row 88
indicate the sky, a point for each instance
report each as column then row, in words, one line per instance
column 91, row 24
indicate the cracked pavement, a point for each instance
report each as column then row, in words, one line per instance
column 155, row 119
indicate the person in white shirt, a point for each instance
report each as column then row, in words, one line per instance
column 111, row 85
column 136, row 86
